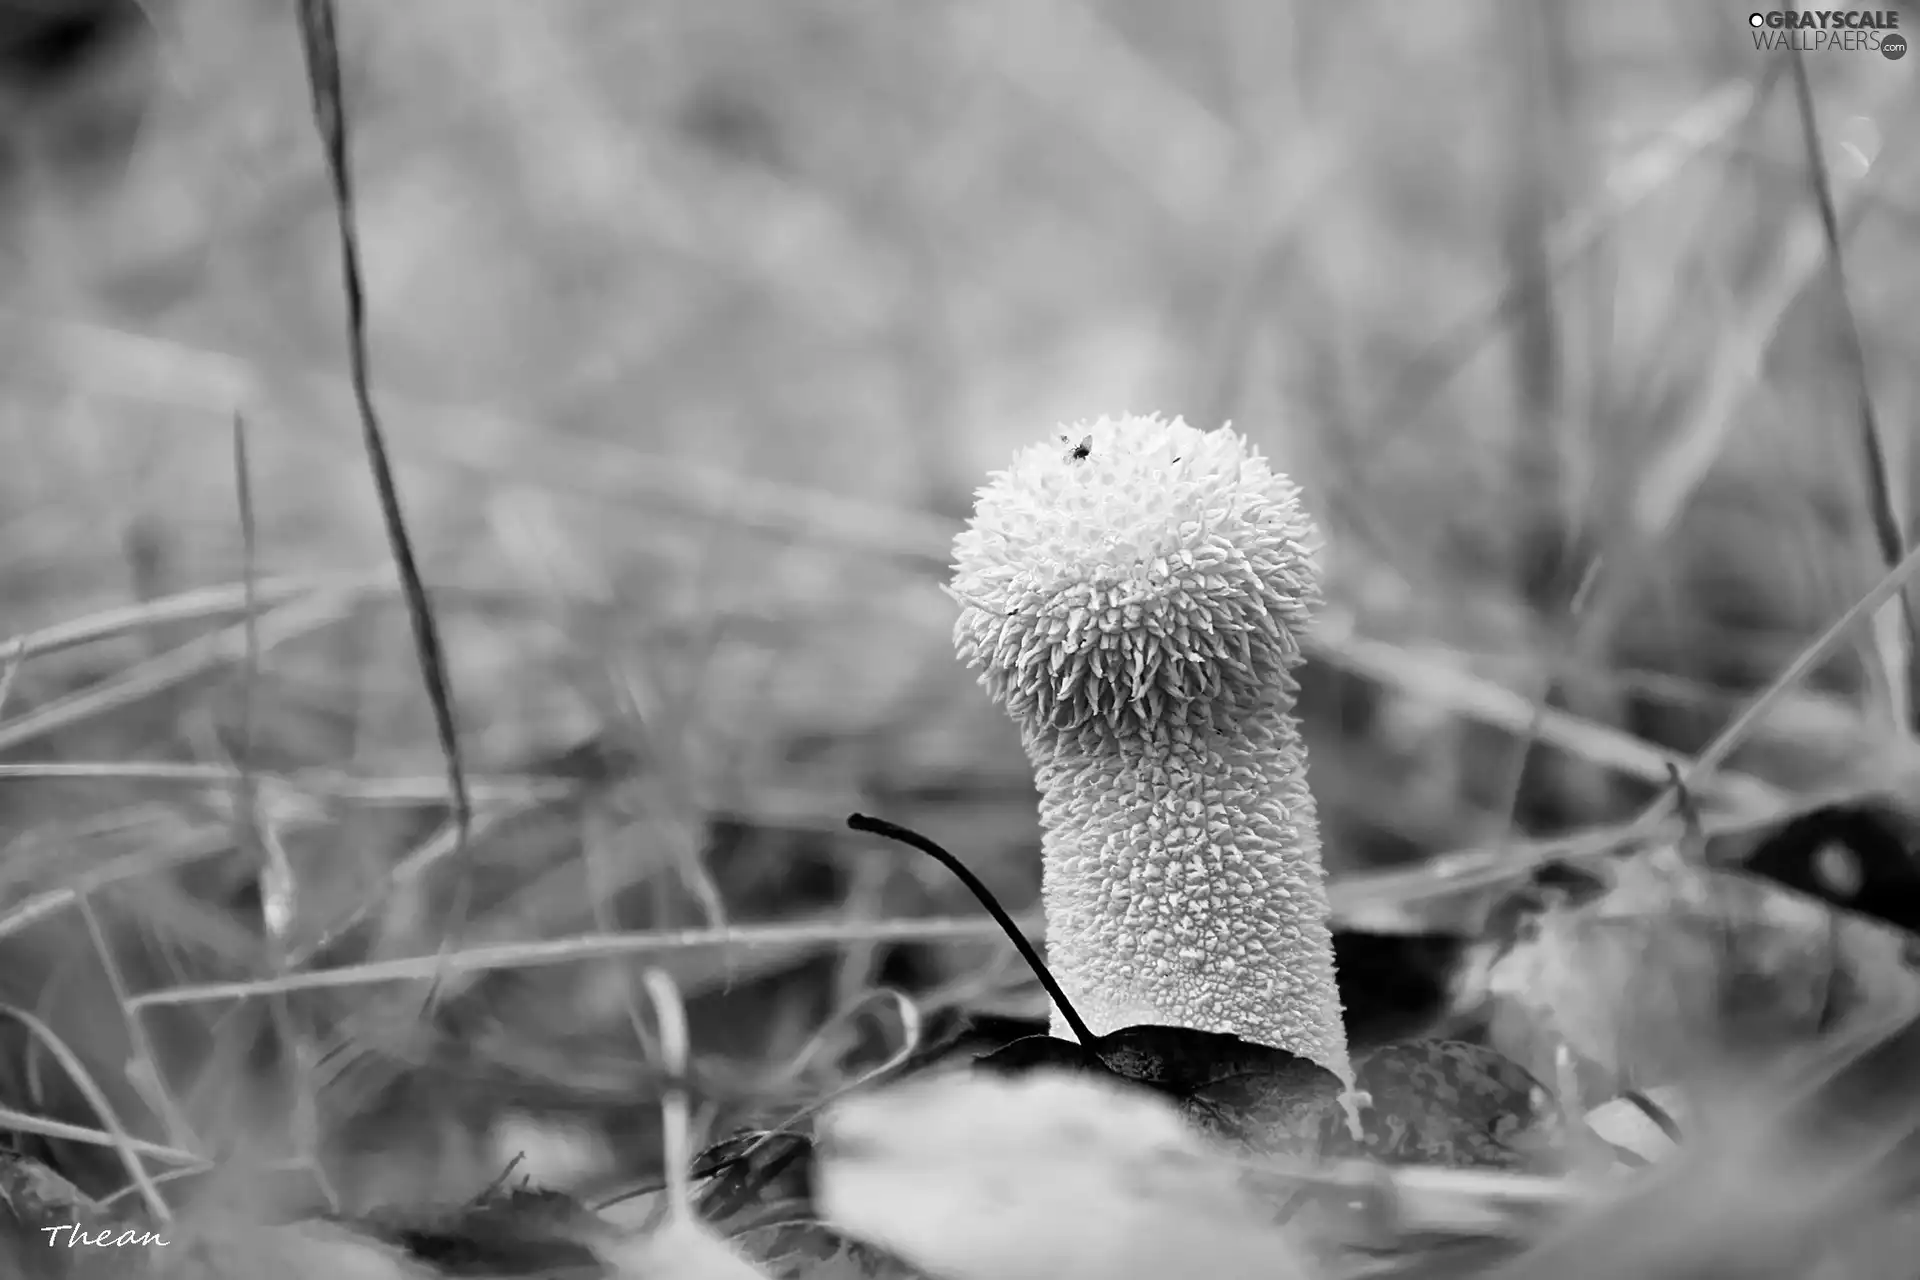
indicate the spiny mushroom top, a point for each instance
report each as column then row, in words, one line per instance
column 1134, row 595
column 1139, row 572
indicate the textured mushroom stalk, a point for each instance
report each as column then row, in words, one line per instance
column 1134, row 596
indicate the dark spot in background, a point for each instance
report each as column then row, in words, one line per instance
column 1857, row 857
column 731, row 122
column 74, row 84
column 1394, row 986
column 44, row 44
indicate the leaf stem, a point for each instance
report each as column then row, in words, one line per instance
column 977, row 887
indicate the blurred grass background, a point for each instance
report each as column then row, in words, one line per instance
column 695, row 326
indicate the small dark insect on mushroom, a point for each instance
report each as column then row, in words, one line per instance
column 1080, row 450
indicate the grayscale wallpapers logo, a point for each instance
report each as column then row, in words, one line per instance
column 1830, row 30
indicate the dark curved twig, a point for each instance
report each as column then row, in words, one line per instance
column 1028, row 952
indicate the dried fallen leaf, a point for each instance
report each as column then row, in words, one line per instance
column 1042, row 1177
column 1438, row 1102
column 1259, row 1096
column 1656, row 974
column 1447, row 1103
column 508, row 1232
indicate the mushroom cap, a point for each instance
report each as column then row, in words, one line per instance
column 1138, row 571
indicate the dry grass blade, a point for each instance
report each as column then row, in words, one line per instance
column 404, row 874
column 22, row 1122
column 512, row 797
column 257, row 833
column 1883, row 504
column 1496, row 705
column 83, row 1080
column 1480, row 869
column 1630, row 184
column 204, row 604
column 16, row 657
column 681, row 1248
column 904, row 1009
column 1168, row 141
column 1682, row 463
column 1673, row 475
column 323, row 784
column 1484, row 867
column 1729, row 739
column 168, row 670
column 800, row 937
column 277, row 891
column 40, row 906
column 456, row 436
column 144, row 1070
column 1544, row 323
column 321, row 46
column 675, row 1051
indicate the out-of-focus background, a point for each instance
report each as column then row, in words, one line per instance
column 693, row 328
